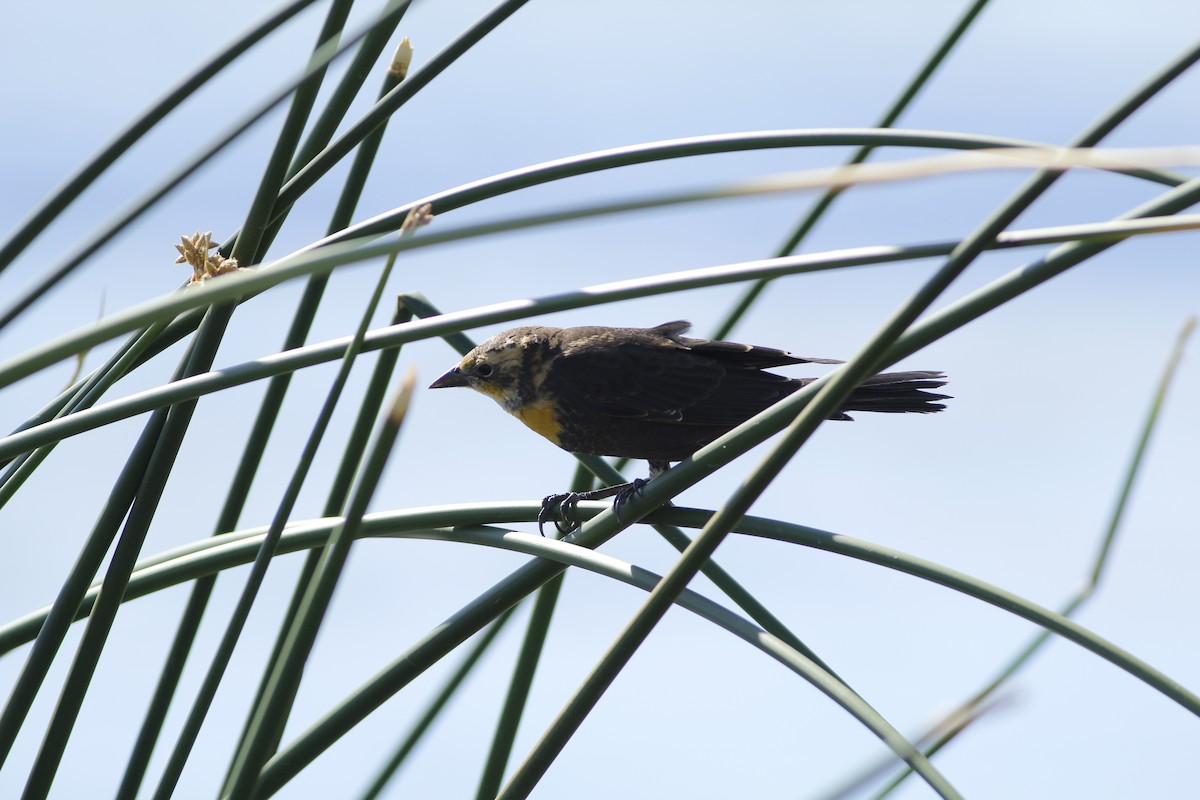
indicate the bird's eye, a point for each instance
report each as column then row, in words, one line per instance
column 484, row 370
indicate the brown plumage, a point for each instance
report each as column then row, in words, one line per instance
column 653, row 393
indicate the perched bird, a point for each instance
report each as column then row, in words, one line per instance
column 649, row 393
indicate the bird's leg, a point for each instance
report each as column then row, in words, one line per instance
column 626, row 492
column 558, row 507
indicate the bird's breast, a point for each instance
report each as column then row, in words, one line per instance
column 539, row 416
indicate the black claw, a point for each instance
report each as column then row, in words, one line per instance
column 557, row 508
column 565, row 509
column 626, row 494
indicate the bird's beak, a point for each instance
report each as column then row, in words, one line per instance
column 454, row 377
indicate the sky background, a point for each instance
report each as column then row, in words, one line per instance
column 1013, row 484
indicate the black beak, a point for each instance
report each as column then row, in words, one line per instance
column 454, row 377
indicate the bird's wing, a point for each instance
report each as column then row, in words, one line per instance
column 749, row 355
column 734, row 353
column 664, row 384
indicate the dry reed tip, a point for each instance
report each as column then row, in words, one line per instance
column 194, row 250
column 401, row 59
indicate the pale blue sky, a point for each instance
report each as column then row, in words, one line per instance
column 1013, row 484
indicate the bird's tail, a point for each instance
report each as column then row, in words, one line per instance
column 897, row 393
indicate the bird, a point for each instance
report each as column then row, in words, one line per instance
column 650, row 393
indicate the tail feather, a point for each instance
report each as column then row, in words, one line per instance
column 897, row 393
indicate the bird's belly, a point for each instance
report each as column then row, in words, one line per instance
column 634, row 438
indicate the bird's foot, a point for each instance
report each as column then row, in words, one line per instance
column 557, row 508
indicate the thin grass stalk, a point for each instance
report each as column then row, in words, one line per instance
column 51, row 632
column 248, row 284
column 1139, row 453
column 233, row 629
column 360, row 68
column 164, row 449
column 335, row 110
column 420, row 306
column 83, row 395
column 1104, row 236
column 315, row 169
column 339, row 719
column 928, row 741
column 1099, row 562
column 826, row 200
column 517, row 697
column 722, row 579
column 246, row 774
column 246, row 244
column 460, row 524
column 355, row 448
column 356, row 445
column 108, row 234
column 439, row 702
column 75, row 185
column 579, row 165
column 369, row 410
column 235, row 499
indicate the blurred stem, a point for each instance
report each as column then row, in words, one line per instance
column 426, row 720
column 246, row 247
column 335, row 111
column 1139, row 452
column 82, row 396
column 578, row 165
column 163, row 437
column 1098, row 564
column 248, row 763
column 262, row 561
column 889, row 118
column 1146, row 218
column 315, row 169
column 94, row 244
column 356, row 446
column 62, row 197
column 241, row 483
column 524, row 670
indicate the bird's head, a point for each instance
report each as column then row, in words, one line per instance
column 507, row 367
